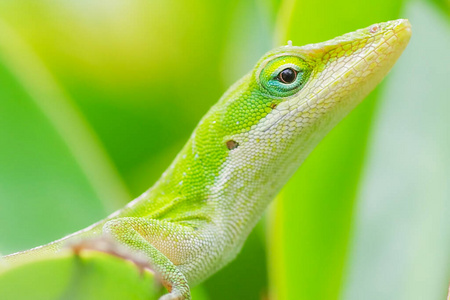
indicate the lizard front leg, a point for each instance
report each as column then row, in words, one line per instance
column 164, row 244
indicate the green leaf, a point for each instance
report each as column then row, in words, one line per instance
column 91, row 275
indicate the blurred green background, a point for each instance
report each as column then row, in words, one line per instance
column 97, row 97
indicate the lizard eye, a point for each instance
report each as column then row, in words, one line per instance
column 287, row 76
column 284, row 75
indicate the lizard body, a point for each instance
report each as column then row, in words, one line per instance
column 197, row 216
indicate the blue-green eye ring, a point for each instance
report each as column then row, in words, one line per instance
column 284, row 76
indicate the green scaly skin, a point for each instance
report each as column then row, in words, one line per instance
column 195, row 219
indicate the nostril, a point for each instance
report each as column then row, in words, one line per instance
column 232, row 144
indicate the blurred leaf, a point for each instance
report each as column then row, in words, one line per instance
column 310, row 233
column 44, row 193
column 46, row 156
column 67, row 121
column 199, row 293
column 443, row 6
column 402, row 241
column 91, row 275
column 243, row 48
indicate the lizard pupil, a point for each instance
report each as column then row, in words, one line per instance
column 287, row 76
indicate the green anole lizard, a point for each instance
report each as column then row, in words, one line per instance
column 195, row 219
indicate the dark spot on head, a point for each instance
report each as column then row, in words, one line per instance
column 273, row 105
column 195, row 228
column 232, row 144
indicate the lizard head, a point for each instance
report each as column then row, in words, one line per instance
column 315, row 86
